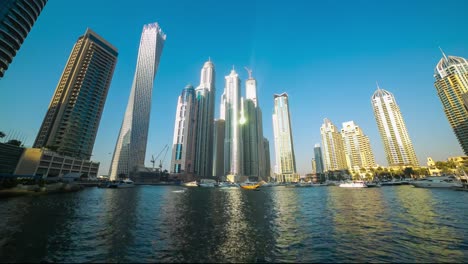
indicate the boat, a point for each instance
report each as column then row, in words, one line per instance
column 207, row 183
column 190, row 184
column 125, row 183
column 227, row 185
column 437, row 182
column 391, row 183
column 250, row 186
column 373, row 184
column 303, row 184
column 354, row 184
column 319, row 184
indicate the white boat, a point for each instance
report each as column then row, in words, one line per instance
column 319, row 184
column 437, row 182
column 373, row 184
column 207, row 183
column 354, row 184
column 190, row 184
column 125, row 183
column 303, row 184
column 226, row 185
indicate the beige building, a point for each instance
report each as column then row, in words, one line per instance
column 45, row 163
column 332, row 147
column 357, row 147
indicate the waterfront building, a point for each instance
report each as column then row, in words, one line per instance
column 318, row 159
column 205, row 96
column 17, row 18
column 72, row 120
column 284, row 147
column 267, row 165
column 46, row 163
column 230, row 112
column 252, row 132
column 314, row 166
column 218, row 148
column 358, row 151
column 130, row 149
column 398, row 147
column 333, row 150
column 9, row 157
column 451, row 83
column 183, row 148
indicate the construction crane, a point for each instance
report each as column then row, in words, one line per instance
column 153, row 159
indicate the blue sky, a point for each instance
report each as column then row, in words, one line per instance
column 327, row 55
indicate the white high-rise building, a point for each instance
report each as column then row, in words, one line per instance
column 357, row 147
column 284, row 148
column 130, row 150
column 332, row 147
column 205, row 96
column 183, row 148
column 231, row 112
column 397, row 143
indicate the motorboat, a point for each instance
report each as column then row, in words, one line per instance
column 190, row 184
column 319, row 184
column 249, row 185
column 372, row 184
column 226, row 185
column 207, row 183
column 354, row 184
column 125, row 183
column 303, row 184
column 437, row 182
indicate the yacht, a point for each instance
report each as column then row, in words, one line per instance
column 373, row 184
column 226, row 185
column 437, row 182
column 319, row 184
column 190, row 184
column 207, row 183
column 354, row 184
column 125, row 183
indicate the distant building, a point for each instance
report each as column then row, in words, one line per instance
column 9, row 157
column 45, row 163
column 284, row 146
column 266, row 147
column 395, row 137
column 333, row 150
column 451, row 83
column 319, row 168
column 130, row 148
column 17, row 18
column 72, row 120
column 357, row 147
column 314, row 166
column 218, row 148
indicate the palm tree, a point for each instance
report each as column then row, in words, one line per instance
column 2, row 135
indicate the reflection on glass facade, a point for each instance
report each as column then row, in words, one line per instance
column 284, row 148
column 451, row 82
column 72, row 120
column 184, row 132
column 17, row 18
column 130, row 150
column 397, row 143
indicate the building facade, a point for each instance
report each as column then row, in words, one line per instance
column 451, row 83
column 318, row 159
column 183, row 147
column 72, row 120
column 333, row 150
column 266, row 147
column 357, row 147
column 398, row 147
column 17, row 18
column 233, row 152
column 284, row 146
column 130, row 150
column 218, row 148
column 205, row 96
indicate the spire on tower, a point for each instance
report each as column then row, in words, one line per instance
column 249, row 71
column 443, row 53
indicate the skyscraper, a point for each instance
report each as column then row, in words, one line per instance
column 397, row 143
column 205, row 95
column 183, row 148
column 72, row 120
column 231, row 111
column 332, row 143
column 17, row 18
column 318, row 159
column 218, row 148
column 267, row 165
column 130, row 150
column 451, row 82
column 284, row 147
column 252, row 132
column 357, row 147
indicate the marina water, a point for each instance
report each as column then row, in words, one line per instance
column 275, row 224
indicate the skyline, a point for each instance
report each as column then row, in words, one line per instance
column 405, row 68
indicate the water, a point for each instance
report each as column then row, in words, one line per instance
column 278, row 224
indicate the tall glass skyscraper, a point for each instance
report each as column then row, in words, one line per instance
column 451, row 83
column 130, row 150
column 333, row 150
column 357, row 147
column 318, row 159
column 71, row 123
column 205, row 96
column 17, row 18
column 397, row 143
column 284, row 147
column 183, row 148
column 231, row 113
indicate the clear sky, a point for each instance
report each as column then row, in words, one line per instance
column 327, row 55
